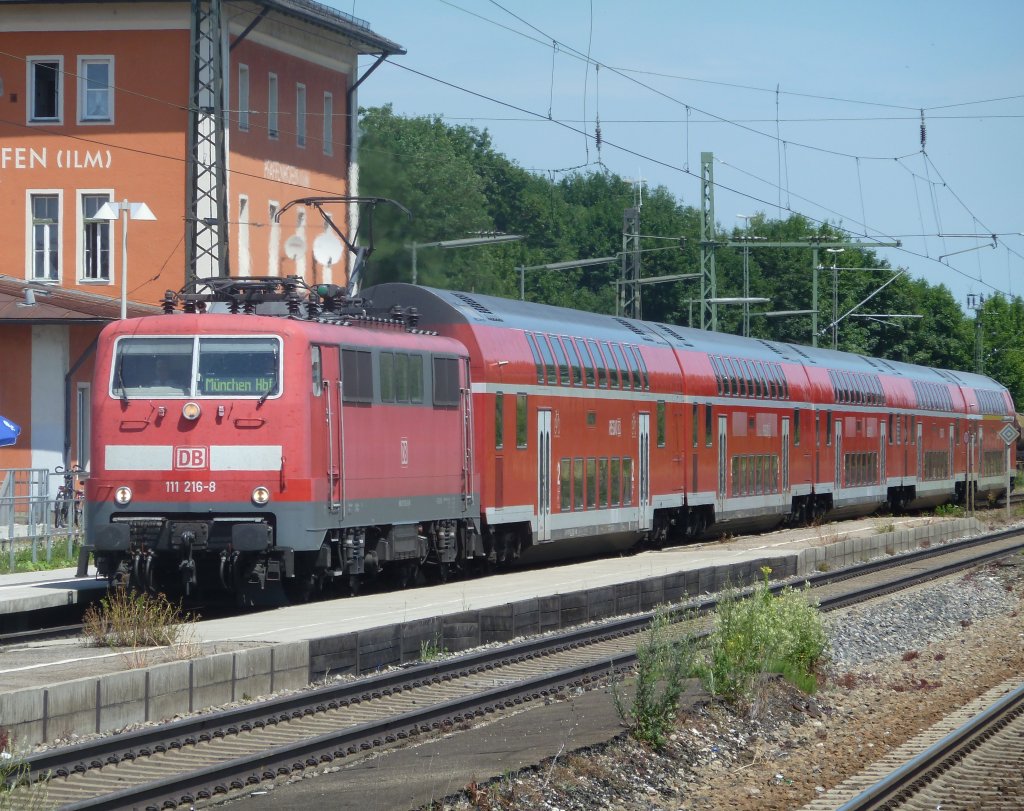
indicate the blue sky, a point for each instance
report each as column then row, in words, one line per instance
column 809, row 107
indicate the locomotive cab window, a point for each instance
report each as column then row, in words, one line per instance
column 446, row 381
column 236, row 367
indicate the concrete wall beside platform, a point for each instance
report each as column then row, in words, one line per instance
column 113, row 701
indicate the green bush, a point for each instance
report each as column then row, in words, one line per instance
column 131, row 619
column 662, row 666
column 950, row 511
column 17, row 790
column 762, row 634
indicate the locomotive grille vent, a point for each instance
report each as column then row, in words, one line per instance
column 676, row 335
column 631, row 327
column 476, row 305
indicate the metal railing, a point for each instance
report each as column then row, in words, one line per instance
column 38, row 517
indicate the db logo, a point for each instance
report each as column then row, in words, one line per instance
column 189, row 458
column 404, row 448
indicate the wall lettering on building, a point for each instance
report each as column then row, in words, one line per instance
column 272, row 170
column 27, row 157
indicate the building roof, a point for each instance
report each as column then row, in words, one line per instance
column 23, row 302
column 358, row 31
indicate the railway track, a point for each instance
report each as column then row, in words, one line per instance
column 213, row 755
column 970, row 760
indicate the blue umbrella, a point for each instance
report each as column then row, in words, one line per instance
column 8, row 432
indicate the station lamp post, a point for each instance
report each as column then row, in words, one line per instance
column 134, row 211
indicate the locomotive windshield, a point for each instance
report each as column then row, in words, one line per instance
column 147, row 366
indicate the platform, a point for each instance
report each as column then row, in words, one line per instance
column 51, row 689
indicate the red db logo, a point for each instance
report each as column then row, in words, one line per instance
column 189, row 458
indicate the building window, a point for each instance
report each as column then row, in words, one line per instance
column 95, row 265
column 244, row 257
column 272, row 129
column 45, row 82
column 45, row 236
column 96, row 89
column 300, row 115
column 243, row 98
column 328, row 124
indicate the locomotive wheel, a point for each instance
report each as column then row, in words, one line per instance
column 354, row 582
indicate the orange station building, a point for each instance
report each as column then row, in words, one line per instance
column 94, row 109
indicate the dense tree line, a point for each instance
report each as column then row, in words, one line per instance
column 457, row 185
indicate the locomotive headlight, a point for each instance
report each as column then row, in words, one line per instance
column 260, row 496
column 190, row 411
column 123, row 496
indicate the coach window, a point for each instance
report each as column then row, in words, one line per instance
column 890, row 431
column 591, row 483
column 613, row 373
column 599, row 364
column 620, row 362
column 577, row 483
column 717, row 369
column 499, row 420
column 565, row 484
column 707, row 424
column 616, row 482
column 575, row 364
column 828, row 428
column 602, row 482
column 634, row 371
column 695, row 423
column 627, row 481
column 736, row 378
column 588, row 361
column 643, row 368
column 563, row 363
column 796, row 427
column 521, row 420
column 536, row 356
column 661, row 423
column 817, row 429
column 317, row 371
column 549, row 361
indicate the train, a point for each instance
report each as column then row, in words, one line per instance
column 269, row 432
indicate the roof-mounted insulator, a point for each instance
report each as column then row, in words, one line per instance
column 168, row 302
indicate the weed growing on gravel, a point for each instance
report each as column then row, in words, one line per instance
column 949, row 511
column 17, row 791
column 131, row 619
column 662, row 666
column 760, row 634
column 431, row 650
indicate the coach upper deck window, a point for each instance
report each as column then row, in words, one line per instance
column 575, row 364
column 532, row 342
column 563, row 363
column 599, row 363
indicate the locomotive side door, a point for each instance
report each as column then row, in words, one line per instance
column 644, row 458
column 329, row 459
column 543, row 474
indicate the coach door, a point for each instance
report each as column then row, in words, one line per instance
column 883, row 469
column 785, row 456
column 839, row 455
column 723, row 460
column 644, row 458
column 543, row 474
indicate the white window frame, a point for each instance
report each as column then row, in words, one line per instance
column 30, row 253
column 80, row 239
column 30, row 83
column 273, row 129
column 244, row 249
column 300, row 115
column 328, row 123
column 243, row 97
column 83, row 89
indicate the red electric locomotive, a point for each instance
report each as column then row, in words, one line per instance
column 234, row 449
column 338, row 438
